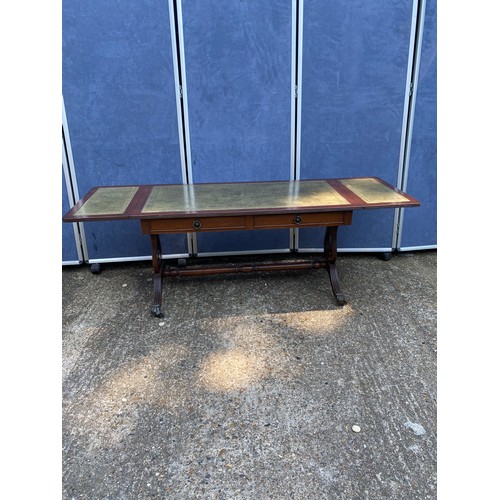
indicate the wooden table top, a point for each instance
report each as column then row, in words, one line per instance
column 243, row 198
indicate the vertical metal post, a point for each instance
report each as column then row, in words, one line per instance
column 72, row 185
column 181, row 98
column 296, row 101
column 415, row 50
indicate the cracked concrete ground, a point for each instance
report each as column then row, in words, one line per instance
column 250, row 386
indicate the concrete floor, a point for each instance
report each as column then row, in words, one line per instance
column 250, row 386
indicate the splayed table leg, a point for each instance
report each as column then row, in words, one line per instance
column 330, row 247
column 158, row 264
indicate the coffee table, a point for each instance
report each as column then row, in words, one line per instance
column 242, row 206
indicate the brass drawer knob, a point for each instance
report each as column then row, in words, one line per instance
column 297, row 219
column 197, row 224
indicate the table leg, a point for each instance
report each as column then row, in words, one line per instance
column 330, row 246
column 157, row 276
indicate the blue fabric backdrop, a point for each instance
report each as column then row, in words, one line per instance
column 119, row 92
column 354, row 80
column 238, row 78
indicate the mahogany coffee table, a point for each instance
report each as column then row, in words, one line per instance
column 193, row 208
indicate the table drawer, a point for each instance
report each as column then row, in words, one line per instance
column 161, row 226
column 302, row 220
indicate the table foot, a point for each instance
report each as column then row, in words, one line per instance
column 158, row 265
column 157, row 293
column 334, row 281
column 156, row 311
